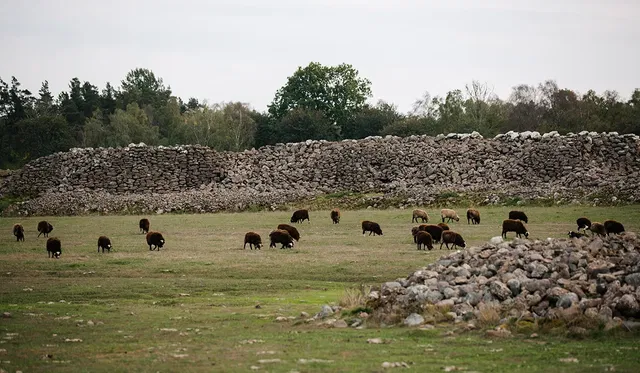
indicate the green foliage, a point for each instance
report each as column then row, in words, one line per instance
column 336, row 92
column 317, row 102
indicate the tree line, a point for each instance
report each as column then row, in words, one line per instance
column 316, row 102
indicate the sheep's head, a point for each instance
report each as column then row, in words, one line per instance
column 57, row 254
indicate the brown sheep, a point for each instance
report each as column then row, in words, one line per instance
column 292, row 231
column 18, row 231
column 414, row 231
column 444, row 226
column 144, row 225
column 54, row 248
column 44, row 228
column 518, row 215
column 371, row 227
column 511, row 225
column 434, row 230
column 598, row 228
column 155, row 239
column 449, row 214
column 335, row 216
column 104, row 243
column 300, row 216
column 453, row 238
column 420, row 214
column 282, row 237
column 473, row 216
column 253, row 239
column 424, row 239
column 613, row 226
column 583, row 223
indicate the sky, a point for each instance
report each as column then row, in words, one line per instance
column 244, row 50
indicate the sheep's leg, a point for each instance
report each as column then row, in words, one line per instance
column 441, row 245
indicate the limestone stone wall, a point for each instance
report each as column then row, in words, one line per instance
column 414, row 166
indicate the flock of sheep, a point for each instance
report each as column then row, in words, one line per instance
column 424, row 235
column 54, row 246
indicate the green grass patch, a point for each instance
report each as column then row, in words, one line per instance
column 202, row 303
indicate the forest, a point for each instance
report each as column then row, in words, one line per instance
column 316, row 102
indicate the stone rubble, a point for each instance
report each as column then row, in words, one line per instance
column 554, row 278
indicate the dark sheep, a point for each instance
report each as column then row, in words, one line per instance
column 54, row 248
column 18, row 231
column 518, row 215
column 424, row 239
column 144, row 225
column 300, row 216
column 371, row 227
column 335, row 216
column 419, row 214
column 292, row 231
column 613, row 226
column 511, row 225
column 253, row 239
column 583, row 223
column 155, row 239
column 415, row 231
column 453, row 238
column 444, row 226
column 598, row 228
column 573, row 234
column 104, row 243
column 44, row 228
column 434, row 230
column 282, row 237
column 473, row 216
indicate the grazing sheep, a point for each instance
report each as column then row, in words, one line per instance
column 444, row 226
column 292, row 231
column 104, row 243
column 613, row 226
column 511, row 225
column 335, row 216
column 144, row 225
column 54, row 248
column 414, row 231
column 449, row 214
column 598, row 228
column 253, row 239
column 420, row 214
column 424, row 239
column 44, row 228
column 371, row 227
column 518, row 215
column 452, row 237
column 299, row 216
column 583, row 223
column 282, row 237
column 434, row 230
column 573, row 234
column 18, row 231
column 473, row 216
column 155, row 239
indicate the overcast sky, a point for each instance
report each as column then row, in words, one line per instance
column 244, row 50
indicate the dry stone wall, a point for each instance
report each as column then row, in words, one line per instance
column 415, row 167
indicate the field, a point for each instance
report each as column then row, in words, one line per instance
column 203, row 303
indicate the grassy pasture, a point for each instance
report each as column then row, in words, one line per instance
column 192, row 306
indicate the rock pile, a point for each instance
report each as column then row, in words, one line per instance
column 594, row 277
column 526, row 164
